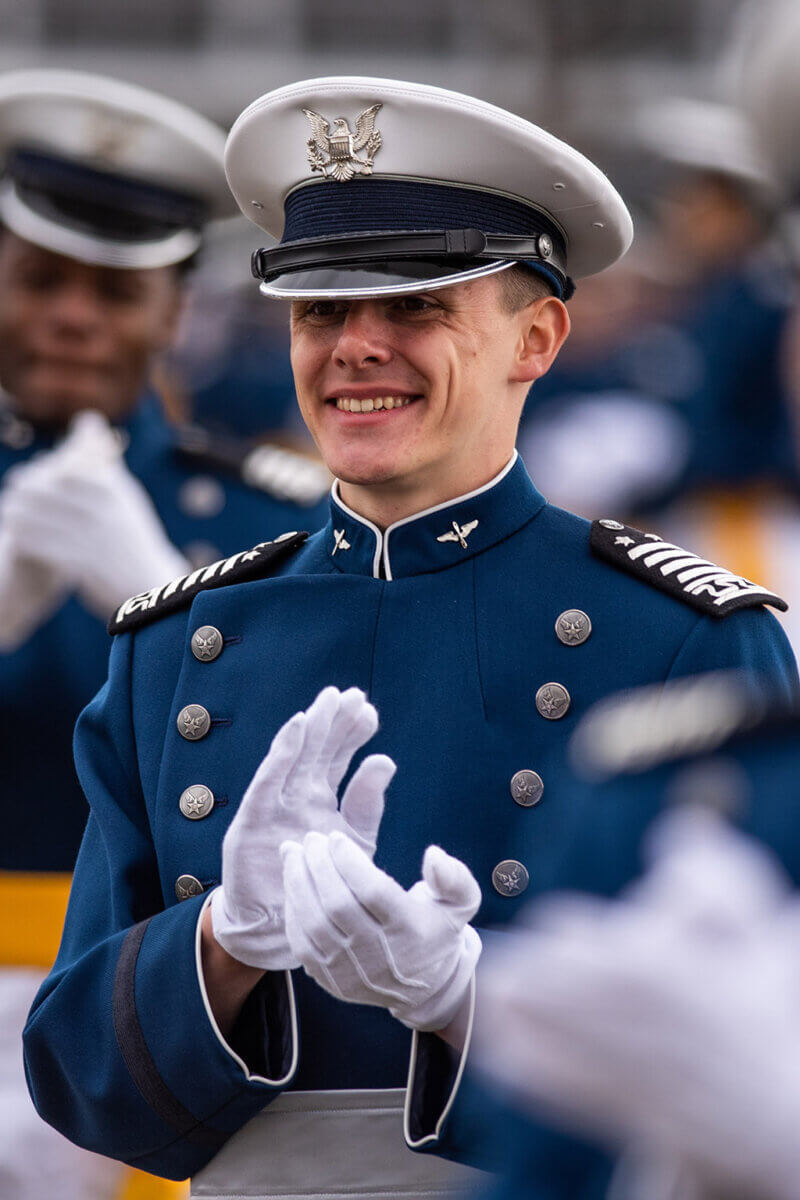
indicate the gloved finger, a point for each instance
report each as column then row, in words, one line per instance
column 351, row 702
column 35, row 537
column 312, row 935
column 319, row 717
column 361, row 938
column 300, row 945
column 376, row 891
column 364, row 798
column 58, row 503
column 451, row 882
column 266, row 786
column 358, row 722
column 336, row 900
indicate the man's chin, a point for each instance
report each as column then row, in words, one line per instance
column 57, row 406
column 369, row 475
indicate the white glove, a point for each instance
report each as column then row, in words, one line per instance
column 366, row 940
column 665, row 1020
column 30, row 592
column 79, row 511
column 294, row 790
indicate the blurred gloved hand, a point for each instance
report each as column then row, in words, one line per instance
column 293, row 791
column 30, row 592
column 365, row 939
column 80, row 512
column 669, row 1019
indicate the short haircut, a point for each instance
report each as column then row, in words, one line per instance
column 520, row 286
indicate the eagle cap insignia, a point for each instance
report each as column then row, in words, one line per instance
column 335, row 153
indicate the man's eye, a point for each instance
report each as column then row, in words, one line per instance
column 120, row 291
column 414, row 304
column 321, row 309
column 37, row 279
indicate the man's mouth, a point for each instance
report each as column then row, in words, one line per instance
column 368, row 404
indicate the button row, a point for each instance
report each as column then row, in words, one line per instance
column 510, row 878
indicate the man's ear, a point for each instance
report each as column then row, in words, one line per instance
column 544, row 326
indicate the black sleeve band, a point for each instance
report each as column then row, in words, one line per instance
column 137, row 1057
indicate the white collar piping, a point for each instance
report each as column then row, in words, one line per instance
column 382, row 538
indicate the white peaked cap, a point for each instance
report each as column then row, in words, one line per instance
column 704, row 135
column 59, row 126
column 422, row 135
column 771, row 90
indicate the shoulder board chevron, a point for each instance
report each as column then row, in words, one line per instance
column 696, row 581
column 248, row 564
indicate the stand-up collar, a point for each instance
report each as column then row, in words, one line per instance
column 438, row 537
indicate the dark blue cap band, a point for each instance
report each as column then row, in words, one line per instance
column 374, row 205
column 105, row 202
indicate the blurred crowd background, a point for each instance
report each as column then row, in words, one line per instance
column 676, row 400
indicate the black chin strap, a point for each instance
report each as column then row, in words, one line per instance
column 453, row 247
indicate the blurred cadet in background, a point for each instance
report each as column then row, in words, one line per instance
column 102, row 205
column 756, row 525
column 663, row 1024
column 684, row 392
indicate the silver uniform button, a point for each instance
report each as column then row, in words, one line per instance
column 196, row 801
column 608, row 524
column 510, row 878
column 206, row 643
column 194, row 722
column 201, row 496
column 552, row 701
column 187, row 886
column 573, row 627
column 527, row 788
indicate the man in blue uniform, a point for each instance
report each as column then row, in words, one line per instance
column 97, row 224
column 662, row 1021
column 428, row 286
column 105, row 194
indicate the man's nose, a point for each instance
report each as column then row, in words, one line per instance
column 363, row 340
column 75, row 307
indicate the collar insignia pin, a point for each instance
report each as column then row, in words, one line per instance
column 341, row 541
column 335, row 154
column 459, row 533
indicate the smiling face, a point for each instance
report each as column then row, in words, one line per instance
column 416, row 399
column 75, row 336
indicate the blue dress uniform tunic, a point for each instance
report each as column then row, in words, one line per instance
column 47, row 681
column 752, row 773
column 447, row 621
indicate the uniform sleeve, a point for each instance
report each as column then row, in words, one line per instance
column 120, row 1054
column 751, row 641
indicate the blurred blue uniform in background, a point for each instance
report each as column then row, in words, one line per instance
column 207, row 512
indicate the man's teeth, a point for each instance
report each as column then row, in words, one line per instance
column 351, row 404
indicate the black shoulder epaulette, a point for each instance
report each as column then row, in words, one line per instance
column 696, row 581
column 247, row 564
column 282, row 473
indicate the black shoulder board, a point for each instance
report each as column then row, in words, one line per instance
column 283, row 473
column 708, row 588
column 247, row 564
